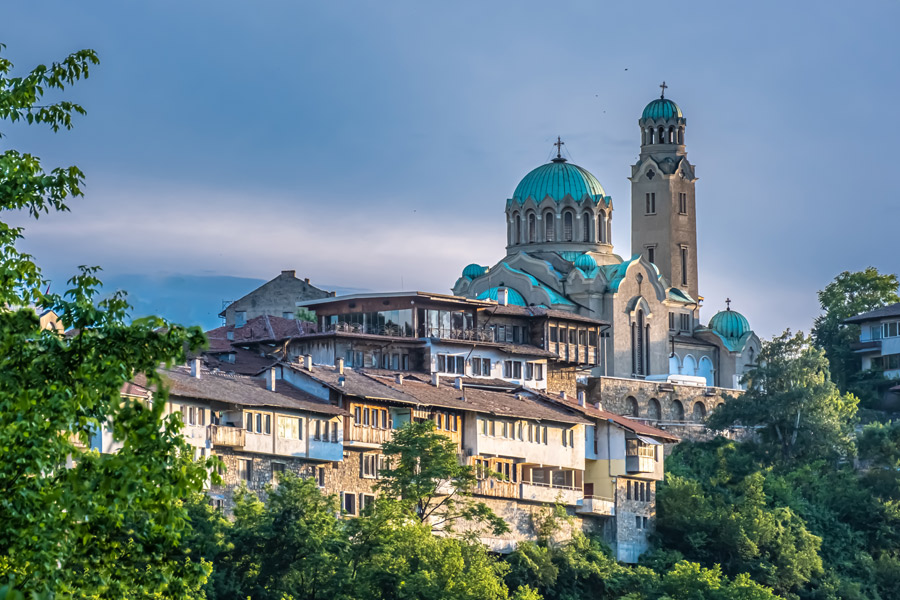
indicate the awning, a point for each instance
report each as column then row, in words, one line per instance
column 648, row 440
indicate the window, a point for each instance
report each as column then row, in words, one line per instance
column 268, row 424
column 507, row 369
column 369, row 466
column 549, row 227
column 245, row 470
column 320, row 476
column 501, row 333
column 334, row 432
column 460, row 365
column 492, row 428
column 258, row 422
column 532, row 228
column 240, row 318
column 486, row 367
column 568, row 227
column 554, row 336
column 628, row 490
column 582, row 336
column 348, row 503
column 529, row 371
column 638, row 522
column 290, row 428
column 643, row 522
column 202, row 414
column 651, row 203
column 890, row 329
column 441, row 363
column 564, row 438
column 682, row 203
column 357, row 416
column 539, row 371
column 672, row 321
column 365, row 501
column 482, row 426
column 317, row 430
column 544, row 428
column 277, row 471
column 685, row 322
column 476, row 366
column 573, row 339
column 651, row 254
column 517, row 369
column 684, row 265
column 592, row 337
column 531, row 432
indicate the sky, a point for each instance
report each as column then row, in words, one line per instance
column 373, row 145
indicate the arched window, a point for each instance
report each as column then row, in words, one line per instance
column 689, row 367
column 662, row 135
column 568, row 226
column 518, row 228
column 532, row 228
column 549, row 226
column 677, row 411
column 674, row 365
column 587, row 219
column 639, row 350
column 699, row 412
column 649, row 135
column 681, row 135
column 706, row 370
column 671, row 137
column 653, row 409
column 601, row 227
column 643, row 136
column 631, row 405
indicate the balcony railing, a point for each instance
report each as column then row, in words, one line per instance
column 597, row 505
column 222, row 435
column 542, row 492
column 496, row 488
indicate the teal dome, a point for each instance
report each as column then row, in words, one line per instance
column 473, row 271
column 662, row 109
column 514, row 297
column 729, row 323
column 558, row 179
column 586, row 263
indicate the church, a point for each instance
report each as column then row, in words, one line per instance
column 559, row 255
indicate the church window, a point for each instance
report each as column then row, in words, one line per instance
column 601, row 227
column 518, row 229
column 587, row 220
column 662, row 135
column 681, row 135
column 532, row 228
column 650, row 174
column 671, row 137
column 685, row 322
column 549, row 227
column 568, row 227
column 672, row 321
column 684, row 265
column 682, row 203
column 639, row 350
column 651, row 203
column 651, row 254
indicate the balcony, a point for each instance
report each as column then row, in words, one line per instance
column 596, row 505
column 496, row 488
column 224, row 436
column 639, row 464
column 542, row 492
column 866, row 346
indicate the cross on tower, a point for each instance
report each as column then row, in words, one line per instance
column 559, row 144
column 663, row 86
column 727, row 303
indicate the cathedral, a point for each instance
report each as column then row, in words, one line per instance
column 559, row 255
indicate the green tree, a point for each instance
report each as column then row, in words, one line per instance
column 792, row 402
column 425, row 473
column 105, row 526
column 850, row 294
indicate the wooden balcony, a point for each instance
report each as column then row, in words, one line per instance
column 224, row 436
column 365, row 435
column 496, row 488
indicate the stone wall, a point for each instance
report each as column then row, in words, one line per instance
column 561, row 379
column 275, row 297
column 631, row 539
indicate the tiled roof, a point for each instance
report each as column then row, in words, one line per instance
column 246, row 362
column 242, row 391
column 261, row 328
column 503, row 347
column 417, row 389
column 891, row 310
column 624, row 422
column 537, row 311
column 130, row 388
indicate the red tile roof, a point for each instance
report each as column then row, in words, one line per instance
column 261, row 329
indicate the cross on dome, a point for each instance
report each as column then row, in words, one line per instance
column 727, row 303
column 663, row 86
column 559, row 144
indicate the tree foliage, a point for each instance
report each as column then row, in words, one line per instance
column 850, row 294
column 791, row 401
column 424, row 472
column 74, row 522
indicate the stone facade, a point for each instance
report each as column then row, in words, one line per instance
column 635, row 517
column 561, row 379
column 278, row 297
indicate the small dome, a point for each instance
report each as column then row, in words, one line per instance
column 586, row 263
column 662, row 109
column 514, row 297
column 474, row 271
column 559, row 179
column 729, row 323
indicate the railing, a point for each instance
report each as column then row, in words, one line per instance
column 496, row 488
column 385, row 330
column 222, row 435
column 597, row 505
column 473, row 334
column 366, row 435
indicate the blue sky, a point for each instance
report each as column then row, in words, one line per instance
column 372, row 145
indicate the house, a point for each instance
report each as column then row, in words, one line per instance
column 276, row 297
column 879, row 343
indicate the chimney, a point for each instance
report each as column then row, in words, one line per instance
column 457, row 383
column 598, row 406
column 308, row 362
column 435, row 380
column 340, row 366
column 270, row 380
column 562, row 394
column 341, row 380
column 398, row 379
column 289, row 274
column 195, row 368
column 581, row 398
column 502, row 296
column 306, row 280
column 230, row 335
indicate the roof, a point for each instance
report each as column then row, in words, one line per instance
column 559, row 179
column 891, row 310
column 258, row 329
column 513, row 296
column 425, row 295
column 289, row 276
column 242, row 391
column 520, row 349
column 416, row 389
column 662, row 109
column 729, row 324
column 635, row 427
column 130, row 388
column 246, row 362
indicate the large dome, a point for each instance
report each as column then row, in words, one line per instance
column 662, row 109
column 729, row 323
column 558, row 179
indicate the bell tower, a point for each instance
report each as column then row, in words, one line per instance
column 663, row 207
